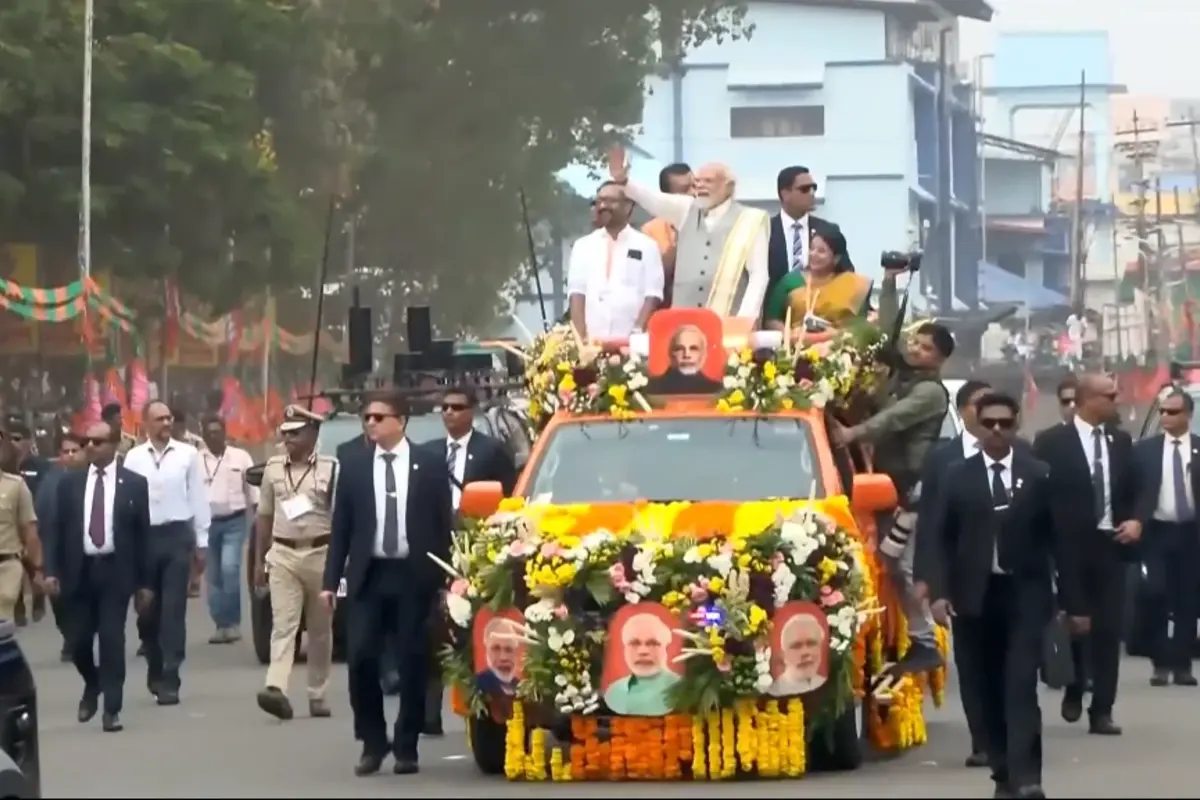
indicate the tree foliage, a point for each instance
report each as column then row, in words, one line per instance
column 222, row 128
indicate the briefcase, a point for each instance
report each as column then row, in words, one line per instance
column 1058, row 668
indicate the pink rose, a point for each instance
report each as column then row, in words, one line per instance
column 550, row 550
column 777, row 561
column 804, row 383
column 616, row 575
column 614, row 361
column 592, row 391
column 459, row 587
column 520, row 548
column 561, row 612
column 698, row 593
column 831, row 598
column 725, row 664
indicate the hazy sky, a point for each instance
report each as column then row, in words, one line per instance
column 1152, row 41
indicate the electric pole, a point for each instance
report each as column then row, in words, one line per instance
column 1077, row 255
column 1191, row 123
column 1139, row 151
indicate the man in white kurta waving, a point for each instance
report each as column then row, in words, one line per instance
column 721, row 255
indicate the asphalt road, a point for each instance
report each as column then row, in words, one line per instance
column 218, row 744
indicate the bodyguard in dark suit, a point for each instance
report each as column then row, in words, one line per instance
column 392, row 508
column 1171, row 545
column 793, row 227
column 987, row 564
column 71, row 455
column 1094, row 483
column 938, row 464
column 97, row 557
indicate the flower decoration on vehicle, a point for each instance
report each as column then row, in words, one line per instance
column 764, row 381
column 562, row 373
column 846, row 368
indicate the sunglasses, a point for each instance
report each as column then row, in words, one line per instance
column 1171, row 412
column 95, row 441
column 447, row 407
column 1005, row 424
column 378, row 417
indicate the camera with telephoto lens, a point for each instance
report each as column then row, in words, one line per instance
column 895, row 260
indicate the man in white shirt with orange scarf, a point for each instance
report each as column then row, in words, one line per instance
column 615, row 273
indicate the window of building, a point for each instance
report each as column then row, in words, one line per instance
column 770, row 122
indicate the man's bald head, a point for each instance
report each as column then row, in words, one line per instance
column 714, row 184
column 1096, row 399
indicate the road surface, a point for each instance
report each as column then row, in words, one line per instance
column 217, row 743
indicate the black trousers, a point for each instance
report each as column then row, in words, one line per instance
column 98, row 608
column 1172, row 563
column 1097, row 655
column 1003, row 647
column 391, row 603
column 163, row 628
column 970, row 674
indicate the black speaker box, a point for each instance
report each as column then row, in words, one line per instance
column 404, row 368
column 420, row 328
column 358, row 328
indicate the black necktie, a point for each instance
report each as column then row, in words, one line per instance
column 999, row 491
column 96, row 519
column 1098, row 483
column 391, row 508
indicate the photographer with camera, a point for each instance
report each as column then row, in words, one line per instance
column 902, row 432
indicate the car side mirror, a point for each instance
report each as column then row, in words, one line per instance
column 873, row 492
column 254, row 475
column 481, row 499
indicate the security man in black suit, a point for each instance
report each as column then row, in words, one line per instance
column 469, row 456
column 987, row 565
column 937, row 467
column 1169, row 489
column 1094, row 481
column 793, row 227
column 392, row 508
column 97, row 556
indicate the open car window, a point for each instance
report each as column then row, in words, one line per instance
column 664, row 459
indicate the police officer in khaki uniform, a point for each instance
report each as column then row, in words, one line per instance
column 293, row 531
column 19, row 544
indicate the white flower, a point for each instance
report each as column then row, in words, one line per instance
column 692, row 556
column 721, row 563
column 643, row 560
column 733, row 360
column 763, row 682
column 559, row 639
column 459, row 609
column 743, row 372
column 561, row 680
column 730, row 382
column 637, row 382
column 632, row 597
column 541, row 611
column 783, row 579
column 640, row 587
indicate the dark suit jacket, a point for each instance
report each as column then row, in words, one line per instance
column 1071, row 479
column 487, row 460
column 1148, row 457
column 63, row 543
column 428, row 519
column 967, row 532
column 359, row 444
column 779, row 248
column 33, row 470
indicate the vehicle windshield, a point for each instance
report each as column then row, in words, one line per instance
column 664, row 459
column 344, row 427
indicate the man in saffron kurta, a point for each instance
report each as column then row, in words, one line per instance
column 721, row 247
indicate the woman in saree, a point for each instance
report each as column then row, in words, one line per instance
column 821, row 298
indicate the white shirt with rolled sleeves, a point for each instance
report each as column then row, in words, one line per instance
column 675, row 208
column 175, row 481
column 615, row 277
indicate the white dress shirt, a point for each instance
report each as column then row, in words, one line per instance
column 400, row 468
column 1006, row 479
column 970, row 444
column 175, row 481
column 615, row 278
column 110, row 495
column 788, row 233
column 674, row 208
column 1087, row 440
column 225, row 481
column 1166, row 510
column 459, row 468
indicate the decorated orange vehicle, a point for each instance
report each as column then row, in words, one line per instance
column 683, row 586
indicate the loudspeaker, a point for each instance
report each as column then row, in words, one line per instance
column 420, row 328
column 404, row 367
column 515, row 365
column 358, row 329
column 440, row 355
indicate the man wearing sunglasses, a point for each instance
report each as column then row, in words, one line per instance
column 987, row 565
column 469, row 456
column 793, row 227
column 1095, row 496
column 1171, row 552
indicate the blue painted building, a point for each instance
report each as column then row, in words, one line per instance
column 864, row 93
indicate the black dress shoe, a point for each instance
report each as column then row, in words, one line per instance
column 88, row 706
column 977, row 759
column 141, row 651
column 65, row 656
column 369, row 764
column 168, row 697
column 1103, row 725
column 112, row 723
column 1072, row 707
column 1003, row 792
column 406, row 766
column 433, row 728
column 273, row 701
column 390, row 683
column 1030, row 792
column 1184, row 677
column 153, row 686
column 1160, row 677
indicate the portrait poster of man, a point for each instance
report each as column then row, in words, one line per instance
column 499, row 650
column 799, row 649
column 686, row 352
column 639, row 661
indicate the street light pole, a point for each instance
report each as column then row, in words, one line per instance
column 85, row 188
